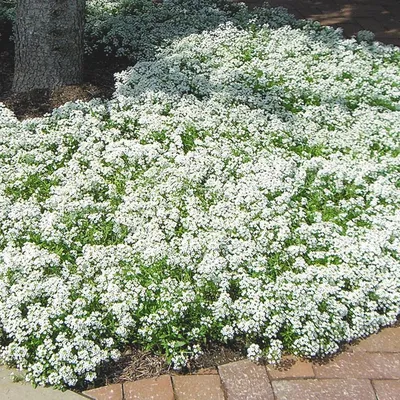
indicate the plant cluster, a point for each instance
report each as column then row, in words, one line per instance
column 134, row 29
column 241, row 187
column 7, row 8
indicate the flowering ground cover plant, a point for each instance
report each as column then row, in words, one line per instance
column 241, row 187
column 133, row 29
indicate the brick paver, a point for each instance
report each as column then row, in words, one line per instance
column 355, row 365
column 244, row 380
column 324, row 389
column 387, row 390
column 386, row 365
column 149, row 389
column 386, row 341
column 198, row 387
column 291, row 368
column 369, row 370
column 111, row 392
column 361, row 365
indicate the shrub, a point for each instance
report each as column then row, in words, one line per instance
column 136, row 28
column 6, row 12
column 242, row 187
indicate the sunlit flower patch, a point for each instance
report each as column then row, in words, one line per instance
column 243, row 187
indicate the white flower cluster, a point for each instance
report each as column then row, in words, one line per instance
column 244, row 186
column 134, row 29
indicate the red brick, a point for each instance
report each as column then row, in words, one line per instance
column 281, row 3
column 149, row 389
column 387, row 340
column 111, row 392
column 387, row 390
column 327, row 6
column 343, row 11
column 386, row 365
column 361, row 365
column 291, row 368
column 244, row 380
column 197, row 387
column 324, row 389
column 352, row 365
column 374, row 2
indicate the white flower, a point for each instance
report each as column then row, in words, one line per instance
column 254, row 352
column 241, row 186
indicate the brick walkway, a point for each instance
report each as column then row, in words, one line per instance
column 369, row 370
column 379, row 16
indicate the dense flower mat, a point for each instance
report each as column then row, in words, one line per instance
column 244, row 186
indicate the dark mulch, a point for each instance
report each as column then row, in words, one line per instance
column 137, row 364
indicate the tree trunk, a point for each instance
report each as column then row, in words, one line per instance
column 48, row 44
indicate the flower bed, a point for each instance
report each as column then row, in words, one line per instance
column 134, row 29
column 244, row 186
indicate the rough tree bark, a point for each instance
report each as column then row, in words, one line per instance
column 48, row 44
